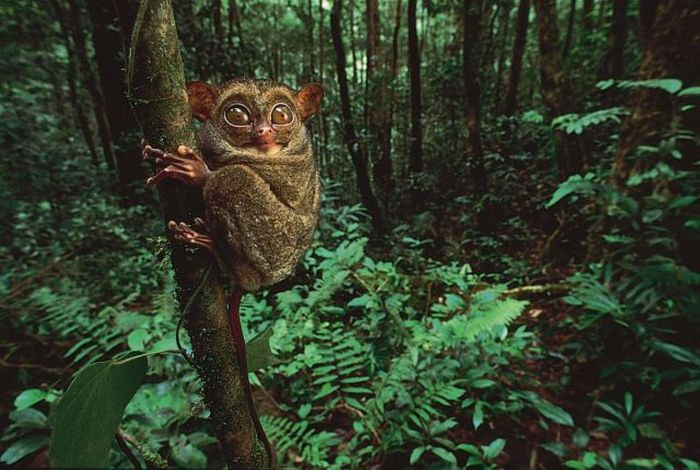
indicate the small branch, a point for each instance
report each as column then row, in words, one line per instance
column 527, row 291
column 125, row 449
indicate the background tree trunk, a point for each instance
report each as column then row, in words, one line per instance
column 613, row 62
column 357, row 151
column 568, row 38
column 473, row 149
column 378, row 121
column 110, row 43
column 76, row 101
column 156, row 71
column 98, row 102
column 416, row 137
column 555, row 91
column 516, row 62
column 672, row 52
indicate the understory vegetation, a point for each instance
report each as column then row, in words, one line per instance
column 537, row 319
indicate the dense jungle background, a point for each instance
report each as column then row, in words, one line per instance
column 506, row 270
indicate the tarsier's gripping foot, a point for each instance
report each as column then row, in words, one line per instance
column 187, row 235
column 184, row 166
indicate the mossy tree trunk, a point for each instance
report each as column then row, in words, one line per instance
column 157, row 94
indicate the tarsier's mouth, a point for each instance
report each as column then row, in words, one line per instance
column 267, row 147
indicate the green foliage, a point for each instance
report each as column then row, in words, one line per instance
column 88, row 415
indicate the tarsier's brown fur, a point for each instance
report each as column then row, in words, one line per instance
column 261, row 204
column 260, row 186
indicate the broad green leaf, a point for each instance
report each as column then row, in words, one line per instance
column 444, row 454
column 478, row 416
column 494, row 449
column 25, row 446
column 30, row 418
column 553, row 412
column 690, row 91
column 258, row 351
column 28, row 398
column 137, row 339
column 416, row 454
column 189, row 456
column 87, row 417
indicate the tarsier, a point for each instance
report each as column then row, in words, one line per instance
column 259, row 181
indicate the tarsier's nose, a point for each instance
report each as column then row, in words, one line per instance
column 263, row 130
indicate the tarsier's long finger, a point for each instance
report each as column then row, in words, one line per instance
column 170, row 172
column 150, row 153
column 187, row 153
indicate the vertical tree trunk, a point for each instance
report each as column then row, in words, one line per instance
column 378, row 122
column 73, row 94
column 157, row 94
column 416, row 147
column 613, row 64
column 473, row 149
column 234, row 18
column 516, row 62
column 98, row 102
column 504, row 31
column 672, row 52
column 356, row 150
column 353, row 49
column 555, row 90
column 109, row 40
column 395, row 42
column 217, row 22
column 647, row 12
column 569, row 29
column 587, row 15
column 323, row 117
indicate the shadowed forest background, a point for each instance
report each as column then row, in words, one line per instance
column 505, row 274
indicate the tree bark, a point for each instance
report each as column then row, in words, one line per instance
column 647, row 12
column 157, row 93
column 357, row 151
column 568, row 38
column 88, row 74
column 473, row 149
column 587, row 15
column 672, row 52
column 109, row 34
column 416, row 146
column 503, row 32
column 76, row 101
column 516, row 62
column 555, row 90
column 378, row 120
column 613, row 62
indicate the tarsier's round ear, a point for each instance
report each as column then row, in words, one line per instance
column 201, row 98
column 309, row 99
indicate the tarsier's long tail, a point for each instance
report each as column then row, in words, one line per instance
column 239, row 343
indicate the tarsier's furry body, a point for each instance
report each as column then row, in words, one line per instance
column 259, row 180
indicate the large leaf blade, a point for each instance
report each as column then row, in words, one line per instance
column 87, row 417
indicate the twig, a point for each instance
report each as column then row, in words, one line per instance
column 125, row 449
column 550, row 289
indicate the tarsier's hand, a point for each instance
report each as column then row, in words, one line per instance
column 185, row 166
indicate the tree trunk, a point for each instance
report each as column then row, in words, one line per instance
column 672, row 52
column 109, row 41
column 613, row 64
column 395, row 42
column 234, row 17
column 473, row 149
column 357, row 151
column 88, row 74
column 569, row 29
column 416, row 147
column 157, row 93
column 555, row 90
column 647, row 12
column 587, row 15
column 83, row 120
column 378, row 121
column 504, row 31
column 516, row 62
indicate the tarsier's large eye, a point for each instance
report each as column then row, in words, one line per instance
column 281, row 114
column 237, row 115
